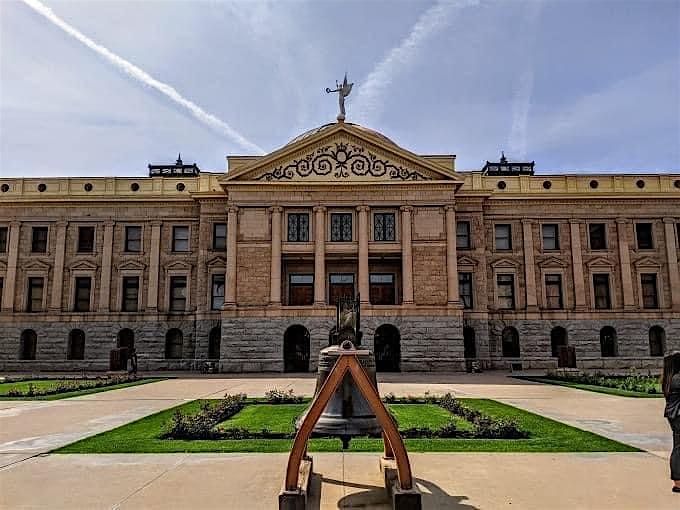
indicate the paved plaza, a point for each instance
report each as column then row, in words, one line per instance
column 32, row 478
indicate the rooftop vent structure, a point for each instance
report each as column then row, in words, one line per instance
column 505, row 167
column 176, row 170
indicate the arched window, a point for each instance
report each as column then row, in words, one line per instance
column 173, row 344
column 28, row 343
column 214, row 339
column 296, row 349
column 387, row 347
column 608, row 342
column 558, row 338
column 657, row 341
column 469, row 344
column 510, row 339
column 76, row 344
column 126, row 338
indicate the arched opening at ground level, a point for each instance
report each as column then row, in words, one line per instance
column 76, row 344
column 510, row 339
column 28, row 344
column 469, row 343
column 125, row 339
column 214, row 341
column 174, row 341
column 387, row 348
column 296, row 349
column 608, row 342
column 558, row 338
column 657, row 341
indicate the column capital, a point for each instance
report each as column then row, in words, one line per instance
column 319, row 209
column 275, row 209
column 232, row 209
column 363, row 208
column 620, row 221
column 61, row 223
column 156, row 223
column 406, row 208
column 109, row 223
column 450, row 207
column 527, row 221
column 15, row 224
column 576, row 221
column 669, row 220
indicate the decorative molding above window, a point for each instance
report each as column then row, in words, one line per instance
column 36, row 265
column 599, row 262
column 217, row 261
column 505, row 263
column 552, row 262
column 646, row 262
column 131, row 265
column 83, row 265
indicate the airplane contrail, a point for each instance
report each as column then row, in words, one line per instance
column 138, row 74
column 369, row 98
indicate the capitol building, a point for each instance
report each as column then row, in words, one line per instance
column 242, row 268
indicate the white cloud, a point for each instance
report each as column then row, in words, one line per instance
column 138, row 74
column 368, row 101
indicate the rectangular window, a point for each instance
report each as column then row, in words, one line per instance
column 34, row 302
column 382, row 290
column 180, row 239
column 341, row 285
column 39, row 240
column 133, row 239
column 178, row 293
column 553, row 291
column 300, row 289
column 463, row 235
column 341, row 227
column 3, row 239
column 298, row 228
column 551, row 239
column 465, row 289
column 383, row 227
column 598, row 236
column 643, row 232
column 219, row 236
column 130, row 293
column 649, row 292
column 217, row 293
column 503, row 237
column 85, row 239
column 601, row 289
column 2, row 286
column 81, row 302
column 506, row 291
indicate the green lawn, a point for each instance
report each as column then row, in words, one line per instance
column 592, row 387
column 43, row 384
column 547, row 435
column 273, row 417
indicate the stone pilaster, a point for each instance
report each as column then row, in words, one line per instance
column 154, row 266
column 624, row 261
column 107, row 255
column 451, row 257
column 672, row 259
column 232, row 240
column 58, row 274
column 529, row 267
column 275, row 278
column 364, row 290
column 11, row 275
column 577, row 265
column 204, row 243
column 406, row 255
column 319, row 255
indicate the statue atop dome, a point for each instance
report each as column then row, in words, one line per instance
column 343, row 91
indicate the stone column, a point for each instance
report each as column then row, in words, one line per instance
column 451, row 256
column 529, row 269
column 577, row 265
column 320, row 255
column 58, row 274
column 11, row 275
column 154, row 266
column 624, row 261
column 204, row 244
column 406, row 255
column 107, row 255
column 364, row 289
column 672, row 258
column 275, row 278
column 232, row 240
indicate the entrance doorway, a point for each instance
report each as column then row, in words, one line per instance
column 387, row 347
column 341, row 285
column 469, row 344
column 126, row 338
column 296, row 349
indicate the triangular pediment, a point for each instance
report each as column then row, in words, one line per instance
column 83, row 265
column 178, row 264
column 131, row 265
column 647, row 262
column 36, row 265
column 505, row 263
column 552, row 262
column 217, row 261
column 341, row 152
column 599, row 262
column 466, row 261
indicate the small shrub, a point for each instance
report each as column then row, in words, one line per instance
column 390, row 398
column 202, row 424
column 276, row 396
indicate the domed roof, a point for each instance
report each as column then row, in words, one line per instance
column 319, row 129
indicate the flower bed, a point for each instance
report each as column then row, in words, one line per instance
column 634, row 385
column 36, row 388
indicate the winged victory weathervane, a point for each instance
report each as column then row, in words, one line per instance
column 343, row 91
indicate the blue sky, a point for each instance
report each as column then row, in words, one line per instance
column 578, row 86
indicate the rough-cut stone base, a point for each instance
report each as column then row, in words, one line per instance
column 255, row 344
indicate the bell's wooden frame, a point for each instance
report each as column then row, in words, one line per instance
column 394, row 445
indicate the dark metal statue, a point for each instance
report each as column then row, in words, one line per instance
column 343, row 91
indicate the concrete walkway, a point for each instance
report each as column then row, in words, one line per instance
column 465, row 481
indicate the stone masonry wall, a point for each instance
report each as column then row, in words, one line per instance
column 429, row 275
column 254, row 266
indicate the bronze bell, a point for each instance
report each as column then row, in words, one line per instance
column 347, row 413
